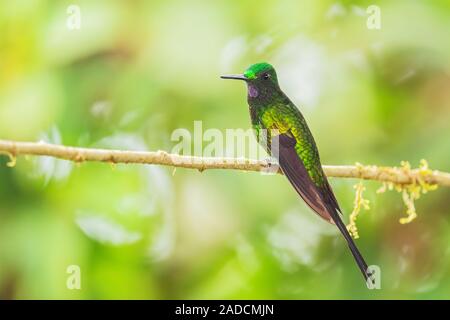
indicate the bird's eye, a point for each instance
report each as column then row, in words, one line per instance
column 266, row 76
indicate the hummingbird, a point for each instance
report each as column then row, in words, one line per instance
column 282, row 130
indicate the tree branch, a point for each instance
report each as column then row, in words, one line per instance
column 393, row 175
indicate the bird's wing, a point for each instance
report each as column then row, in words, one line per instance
column 319, row 199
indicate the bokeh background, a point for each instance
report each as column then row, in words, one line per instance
column 137, row 70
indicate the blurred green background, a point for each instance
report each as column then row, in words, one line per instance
column 137, row 70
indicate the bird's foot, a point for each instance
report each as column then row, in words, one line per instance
column 271, row 166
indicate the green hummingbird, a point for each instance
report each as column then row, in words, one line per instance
column 282, row 130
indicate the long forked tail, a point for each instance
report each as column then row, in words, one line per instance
column 355, row 252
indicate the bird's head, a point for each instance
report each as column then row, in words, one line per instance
column 261, row 79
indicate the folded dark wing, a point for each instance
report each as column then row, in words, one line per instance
column 320, row 199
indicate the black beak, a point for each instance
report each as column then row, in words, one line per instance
column 235, row 77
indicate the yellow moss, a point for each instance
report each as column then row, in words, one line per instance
column 410, row 192
column 358, row 203
column 359, row 166
column 383, row 188
column 405, row 166
column 408, row 199
column 424, row 171
column 12, row 159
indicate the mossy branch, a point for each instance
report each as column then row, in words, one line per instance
column 410, row 182
column 394, row 175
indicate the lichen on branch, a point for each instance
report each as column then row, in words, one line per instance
column 358, row 204
column 410, row 192
column 410, row 182
column 396, row 176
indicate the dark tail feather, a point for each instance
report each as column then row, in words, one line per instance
column 351, row 244
column 321, row 200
